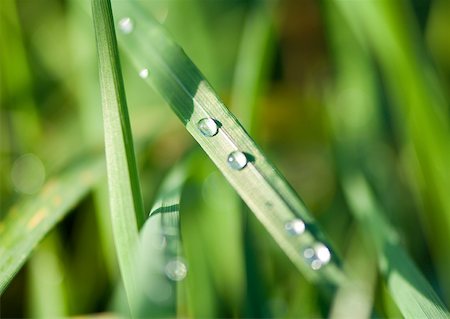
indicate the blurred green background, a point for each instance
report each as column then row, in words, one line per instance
column 329, row 89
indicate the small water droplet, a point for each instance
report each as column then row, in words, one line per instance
column 317, row 256
column 316, row 264
column 176, row 270
column 295, row 227
column 143, row 73
column 208, row 127
column 237, row 160
column 308, row 253
column 126, row 25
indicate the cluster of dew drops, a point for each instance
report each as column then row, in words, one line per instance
column 316, row 255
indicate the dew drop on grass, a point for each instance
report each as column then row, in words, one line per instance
column 323, row 253
column 126, row 25
column 143, row 73
column 317, row 256
column 176, row 270
column 295, row 227
column 208, row 127
column 237, row 160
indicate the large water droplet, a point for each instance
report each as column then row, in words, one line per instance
column 143, row 73
column 126, row 25
column 323, row 253
column 237, row 160
column 208, row 127
column 295, row 227
column 176, row 270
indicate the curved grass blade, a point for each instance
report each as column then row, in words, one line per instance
column 163, row 63
column 159, row 259
column 126, row 206
column 408, row 287
column 30, row 220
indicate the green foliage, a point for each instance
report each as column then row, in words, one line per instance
column 349, row 99
column 30, row 220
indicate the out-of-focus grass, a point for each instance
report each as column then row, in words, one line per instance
column 277, row 65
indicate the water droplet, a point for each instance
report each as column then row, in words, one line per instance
column 143, row 73
column 323, row 253
column 308, row 253
column 126, row 25
column 317, row 256
column 295, row 227
column 316, row 264
column 176, row 270
column 237, row 160
column 208, row 127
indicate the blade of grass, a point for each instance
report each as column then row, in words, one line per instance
column 45, row 274
column 126, row 207
column 30, row 220
column 355, row 298
column 264, row 189
column 160, row 261
column 408, row 287
column 421, row 109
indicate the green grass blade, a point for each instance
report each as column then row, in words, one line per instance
column 420, row 107
column 408, row 287
column 29, row 221
column 160, row 262
column 47, row 288
column 126, row 206
column 354, row 299
column 357, row 95
column 163, row 63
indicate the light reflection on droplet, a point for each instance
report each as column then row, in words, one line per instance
column 176, row 270
column 237, row 160
column 295, row 227
column 208, row 127
column 126, row 25
column 143, row 73
column 323, row 253
column 28, row 174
